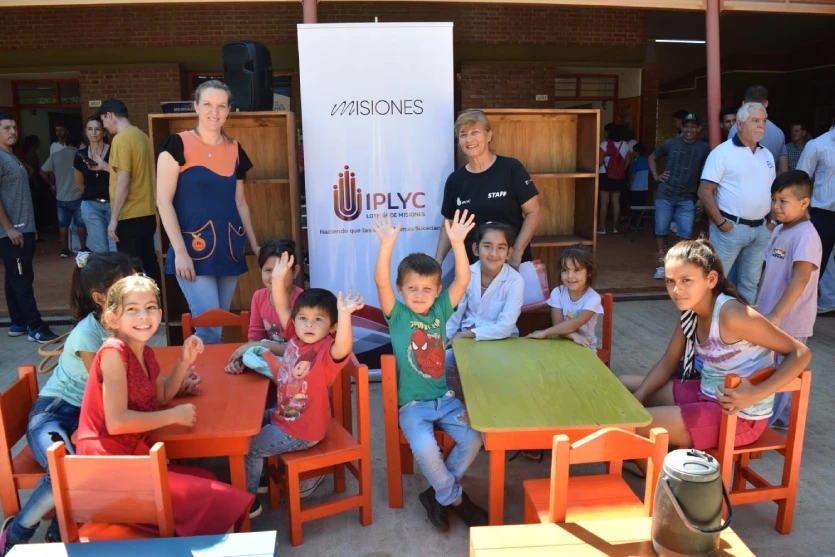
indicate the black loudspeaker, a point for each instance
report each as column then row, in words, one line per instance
column 248, row 71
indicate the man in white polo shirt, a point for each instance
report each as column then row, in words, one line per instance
column 735, row 191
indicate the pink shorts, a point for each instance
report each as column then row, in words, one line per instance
column 702, row 417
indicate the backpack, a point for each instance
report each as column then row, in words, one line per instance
column 616, row 168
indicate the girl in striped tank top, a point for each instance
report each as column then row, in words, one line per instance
column 718, row 326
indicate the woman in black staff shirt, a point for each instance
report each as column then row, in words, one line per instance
column 492, row 187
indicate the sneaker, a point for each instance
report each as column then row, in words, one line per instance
column 659, row 273
column 49, row 539
column 42, row 335
column 821, row 311
column 254, row 511
column 614, row 231
column 5, row 546
column 66, row 253
column 263, row 485
column 469, row 512
column 308, row 486
column 601, row 232
column 435, row 512
column 17, row 330
column 780, row 426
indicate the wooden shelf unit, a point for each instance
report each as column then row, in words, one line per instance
column 272, row 193
column 560, row 149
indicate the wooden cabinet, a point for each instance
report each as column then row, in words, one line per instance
column 272, row 193
column 560, row 150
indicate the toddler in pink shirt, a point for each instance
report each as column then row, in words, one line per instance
column 264, row 325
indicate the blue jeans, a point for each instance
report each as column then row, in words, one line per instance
column 96, row 217
column 269, row 441
column 417, row 420
column 745, row 246
column 684, row 212
column 50, row 420
column 69, row 211
column 205, row 293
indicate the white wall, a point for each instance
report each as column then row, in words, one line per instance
column 629, row 85
column 606, row 113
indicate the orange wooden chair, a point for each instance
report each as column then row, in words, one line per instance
column 216, row 318
column 337, row 451
column 564, row 499
column 106, row 494
column 605, row 352
column 21, row 471
column 735, row 462
column 399, row 457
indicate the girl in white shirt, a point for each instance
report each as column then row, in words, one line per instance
column 493, row 300
column 575, row 305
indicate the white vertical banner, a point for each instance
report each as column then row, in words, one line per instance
column 377, row 114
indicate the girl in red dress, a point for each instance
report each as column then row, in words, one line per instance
column 120, row 403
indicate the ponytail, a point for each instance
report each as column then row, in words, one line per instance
column 96, row 272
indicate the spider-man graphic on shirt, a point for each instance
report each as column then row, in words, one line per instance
column 426, row 349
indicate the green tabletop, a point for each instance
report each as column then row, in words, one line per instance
column 520, row 384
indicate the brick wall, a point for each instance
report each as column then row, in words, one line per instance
column 218, row 23
column 506, row 86
column 141, row 88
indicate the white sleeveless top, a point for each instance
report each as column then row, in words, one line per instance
column 742, row 358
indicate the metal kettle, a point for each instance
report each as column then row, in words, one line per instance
column 687, row 515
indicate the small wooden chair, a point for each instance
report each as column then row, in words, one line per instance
column 605, row 352
column 399, row 457
column 337, row 451
column 564, row 499
column 735, row 462
column 216, row 318
column 108, row 493
column 21, row 471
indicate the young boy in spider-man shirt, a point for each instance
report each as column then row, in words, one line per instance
column 418, row 337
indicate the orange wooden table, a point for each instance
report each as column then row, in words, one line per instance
column 230, row 409
column 521, row 392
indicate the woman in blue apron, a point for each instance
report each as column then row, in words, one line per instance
column 200, row 195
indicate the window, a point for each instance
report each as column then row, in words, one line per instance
column 46, row 93
column 586, row 87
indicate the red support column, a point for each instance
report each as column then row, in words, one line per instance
column 309, row 12
column 714, row 73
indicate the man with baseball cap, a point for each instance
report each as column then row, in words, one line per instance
column 133, row 215
column 678, row 185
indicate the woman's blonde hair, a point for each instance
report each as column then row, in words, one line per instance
column 212, row 84
column 134, row 283
column 471, row 118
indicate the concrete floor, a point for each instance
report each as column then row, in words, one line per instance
column 640, row 336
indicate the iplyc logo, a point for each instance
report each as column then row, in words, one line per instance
column 347, row 199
